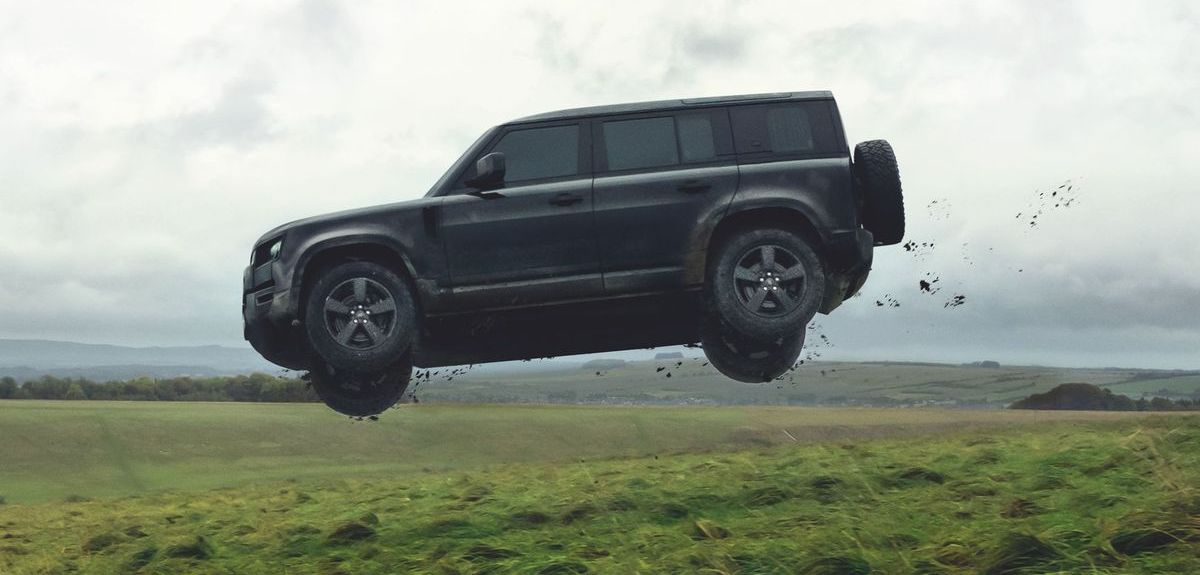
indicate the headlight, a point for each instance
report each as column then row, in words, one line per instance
column 266, row 252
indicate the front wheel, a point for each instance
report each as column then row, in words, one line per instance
column 765, row 284
column 360, row 316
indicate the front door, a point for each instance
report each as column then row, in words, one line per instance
column 531, row 241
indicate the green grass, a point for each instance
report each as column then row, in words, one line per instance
column 56, row 449
column 247, row 488
column 1078, row 496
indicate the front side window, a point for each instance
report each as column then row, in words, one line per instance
column 540, row 153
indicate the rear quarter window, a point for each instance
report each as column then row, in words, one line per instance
column 789, row 129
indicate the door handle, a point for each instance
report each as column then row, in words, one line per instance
column 565, row 199
column 693, row 187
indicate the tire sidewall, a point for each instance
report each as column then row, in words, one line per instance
column 724, row 306
column 381, row 356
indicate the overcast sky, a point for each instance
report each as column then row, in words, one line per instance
column 145, row 145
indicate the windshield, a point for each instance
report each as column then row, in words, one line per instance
column 456, row 168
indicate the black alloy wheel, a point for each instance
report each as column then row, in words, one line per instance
column 764, row 284
column 769, row 280
column 360, row 316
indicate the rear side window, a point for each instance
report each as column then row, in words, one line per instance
column 696, row 143
column 804, row 128
column 644, row 143
column 540, row 153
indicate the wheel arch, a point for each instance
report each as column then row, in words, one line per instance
column 785, row 217
column 330, row 253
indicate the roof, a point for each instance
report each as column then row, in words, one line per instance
column 658, row 105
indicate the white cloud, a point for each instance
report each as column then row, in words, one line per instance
column 145, row 145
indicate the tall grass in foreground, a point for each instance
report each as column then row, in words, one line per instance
column 1116, row 497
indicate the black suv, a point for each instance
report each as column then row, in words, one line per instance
column 726, row 221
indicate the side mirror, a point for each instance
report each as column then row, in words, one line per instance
column 489, row 172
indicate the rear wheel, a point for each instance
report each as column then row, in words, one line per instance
column 361, row 394
column 360, row 316
column 765, row 284
column 750, row 361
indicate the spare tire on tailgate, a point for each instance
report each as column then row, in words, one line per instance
column 883, row 201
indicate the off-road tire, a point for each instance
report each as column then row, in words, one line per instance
column 734, row 284
column 878, row 177
column 748, row 361
column 380, row 333
column 361, row 394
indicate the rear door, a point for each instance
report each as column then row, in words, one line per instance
column 661, row 179
column 532, row 240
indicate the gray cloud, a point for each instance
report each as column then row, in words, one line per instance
column 237, row 118
column 141, row 163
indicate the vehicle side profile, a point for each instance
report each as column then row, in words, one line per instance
column 725, row 221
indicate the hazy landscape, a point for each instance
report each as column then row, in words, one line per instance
column 673, row 378
column 596, row 465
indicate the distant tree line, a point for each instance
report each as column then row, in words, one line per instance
column 1088, row 397
column 253, row 387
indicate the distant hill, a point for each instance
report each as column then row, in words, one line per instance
column 604, row 364
column 1079, row 396
column 25, row 359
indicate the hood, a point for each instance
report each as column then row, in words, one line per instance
column 336, row 217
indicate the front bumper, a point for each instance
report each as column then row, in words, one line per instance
column 269, row 323
column 849, row 255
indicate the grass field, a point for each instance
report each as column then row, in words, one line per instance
column 57, row 449
column 464, row 489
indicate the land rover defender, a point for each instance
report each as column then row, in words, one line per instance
column 725, row 221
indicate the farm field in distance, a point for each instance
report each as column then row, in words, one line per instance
column 820, row 383
column 252, row 488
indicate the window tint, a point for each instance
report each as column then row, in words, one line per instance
column 801, row 128
column 789, row 130
column 696, row 138
column 647, row 143
column 540, row 153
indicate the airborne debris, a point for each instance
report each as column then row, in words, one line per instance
column 1057, row 198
